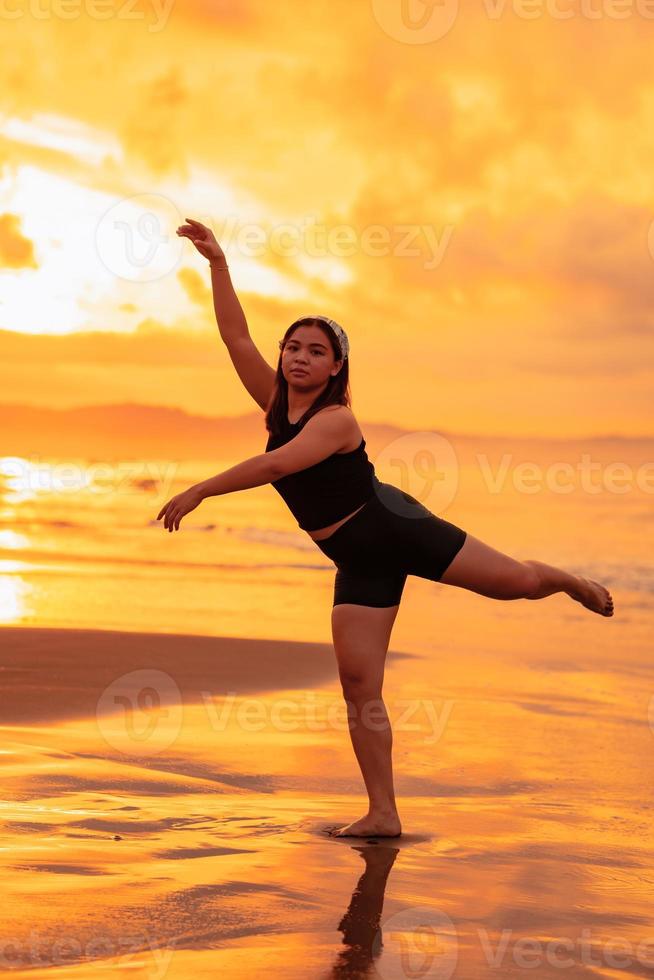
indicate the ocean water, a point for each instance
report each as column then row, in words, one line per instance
column 521, row 738
column 80, row 545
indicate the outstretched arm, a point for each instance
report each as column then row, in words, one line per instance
column 325, row 433
column 253, row 472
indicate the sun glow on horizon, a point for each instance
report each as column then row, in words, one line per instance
column 512, row 202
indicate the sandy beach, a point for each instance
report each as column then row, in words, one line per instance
column 166, row 807
column 442, row 213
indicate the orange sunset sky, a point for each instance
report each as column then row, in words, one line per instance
column 511, row 158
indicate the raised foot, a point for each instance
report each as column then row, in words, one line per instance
column 372, row 825
column 594, row 596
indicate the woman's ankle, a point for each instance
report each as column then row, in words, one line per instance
column 386, row 808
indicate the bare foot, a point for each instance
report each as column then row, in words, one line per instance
column 372, row 825
column 594, row 596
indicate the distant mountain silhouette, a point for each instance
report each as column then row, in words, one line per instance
column 157, row 431
column 126, row 430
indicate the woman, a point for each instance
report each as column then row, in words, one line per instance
column 374, row 533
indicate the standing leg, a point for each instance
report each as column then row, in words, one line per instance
column 484, row 570
column 361, row 636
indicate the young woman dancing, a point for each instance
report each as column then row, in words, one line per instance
column 375, row 534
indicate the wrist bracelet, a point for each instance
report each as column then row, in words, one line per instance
column 221, row 268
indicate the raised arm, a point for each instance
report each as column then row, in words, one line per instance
column 256, row 374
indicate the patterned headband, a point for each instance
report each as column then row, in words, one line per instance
column 337, row 329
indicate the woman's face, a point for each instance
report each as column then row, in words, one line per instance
column 308, row 350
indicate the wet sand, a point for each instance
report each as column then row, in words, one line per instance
column 166, row 806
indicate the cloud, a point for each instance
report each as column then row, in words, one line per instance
column 195, row 286
column 16, row 251
column 151, row 344
column 518, row 149
column 153, row 130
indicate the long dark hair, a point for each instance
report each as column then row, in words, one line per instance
column 337, row 391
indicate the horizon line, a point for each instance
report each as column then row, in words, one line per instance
column 109, row 406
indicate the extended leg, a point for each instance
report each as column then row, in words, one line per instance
column 484, row 570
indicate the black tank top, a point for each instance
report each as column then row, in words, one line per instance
column 326, row 492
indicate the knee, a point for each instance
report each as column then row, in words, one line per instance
column 357, row 686
column 521, row 582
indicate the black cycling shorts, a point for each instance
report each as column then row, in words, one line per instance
column 392, row 536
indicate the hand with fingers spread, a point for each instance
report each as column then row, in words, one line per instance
column 178, row 506
column 204, row 240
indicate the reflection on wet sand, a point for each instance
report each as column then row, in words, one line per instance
column 518, row 778
column 362, row 936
